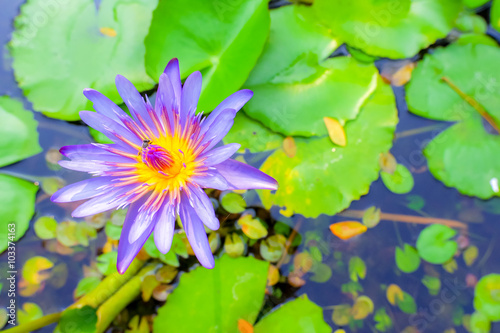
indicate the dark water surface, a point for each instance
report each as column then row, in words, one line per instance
column 376, row 246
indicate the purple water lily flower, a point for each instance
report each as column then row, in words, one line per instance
column 161, row 160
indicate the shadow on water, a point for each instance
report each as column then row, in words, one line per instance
column 376, row 247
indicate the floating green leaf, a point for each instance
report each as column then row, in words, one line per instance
column 29, row 312
column 474, row 3
column 221, row 39
column 400, row 182
column 341, row 315
column 407, row 304
column 495, row 14
column 79, row 320
column 113, row 231
column 315, row 169
column 252, row 227
column 371, row 217
column 434, row 244
column 45, row 227
column 458, row 156
column 415, row 202
column 382, row 319
column 235, row 290
column 297, row 316
column 18, row 205
column 479, row 323
column 357, row 268
column 252, row 135
column 66, row 233
column 487, row 296
column 394, row 29
column 432, row 283
column 106, row 262
column 470, row 255
column 34, row 267
column 337, row 88
column 53, row 68
column 321, row 272
column 233, row 245
column 294, row 33
column 86, row 285
column 362, row 308
column 233, row 202
column 407, row 259
column 4, row 317
column 271, row 249
column 18, row 130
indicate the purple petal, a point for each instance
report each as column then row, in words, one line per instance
column 133, row 100
column 203, row 207
column 235, row 102
column 92, row 152
column 218, row 130
column 195, row 233
column 128, row 250
column 86, row 165
column 212, row 179
column 84, row 189
column 164, row 229
column 220, row 154
column 102, row 203
column 241, row 176
column 190, row 95
column 105, row 106
column 165, row 100
column 111, row 129
column 174, row 75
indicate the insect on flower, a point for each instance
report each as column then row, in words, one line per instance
column 161, row 159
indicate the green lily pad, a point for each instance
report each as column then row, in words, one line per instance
column 86, row 285
column 271, row 248
column 79, row 320
column 106, row 263
column 221, row 39
column 407, row 259
column 233, row 202
column 4, row 317
column 320, row 167
column 466, row 157
column 432, row 283
column 393, row 29
column 371, row 217
column 253, row 228
column 407, row 304
column 382, row 319
column 295, row 101
column 45, row 227
column 18, row 205
column 470, row 255
column 400, row 181
column 18, row 130
column 357, row 269
column 29, row 312
column 487, row 296
column 321, row 272
column 470, row 67
column 434, row 244
column 252, row 135
column 474, row 3
column 233, row 290
column 495, row 14
column 77, row 47
column 297, row 316
column 479, row 323
column 234, row 246
column 294, row 33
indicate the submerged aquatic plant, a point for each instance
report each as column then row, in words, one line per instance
column 161, row 159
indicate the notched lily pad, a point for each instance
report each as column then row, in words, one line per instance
column 434, row 244
column 55, row 61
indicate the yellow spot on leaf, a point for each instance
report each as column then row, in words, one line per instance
column 335, row 131
column 393, row 292
column 347, row 229
column 110, row 32
column 289, row 146
column 387, row 162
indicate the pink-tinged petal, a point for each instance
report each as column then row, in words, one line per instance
column 86, row 166
column 105, row 106
column 84, row 189
column 133, row 100
column 190, row 95
column 220, row 154
column 173, row 72
column 203, row 207
column 211, row 179
column 235, row 102
column 108, row 200
column 218, row 130
column 128, row 250
column 165, row 101
column 241, row 176
column 92, row 152
column 195, row 233
column 164, row 229
column 111, row 129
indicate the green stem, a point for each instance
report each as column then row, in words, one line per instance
column 35, row 324
column 34, row 179
column 415, row 131
column 108, row 311
column 475, row 104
